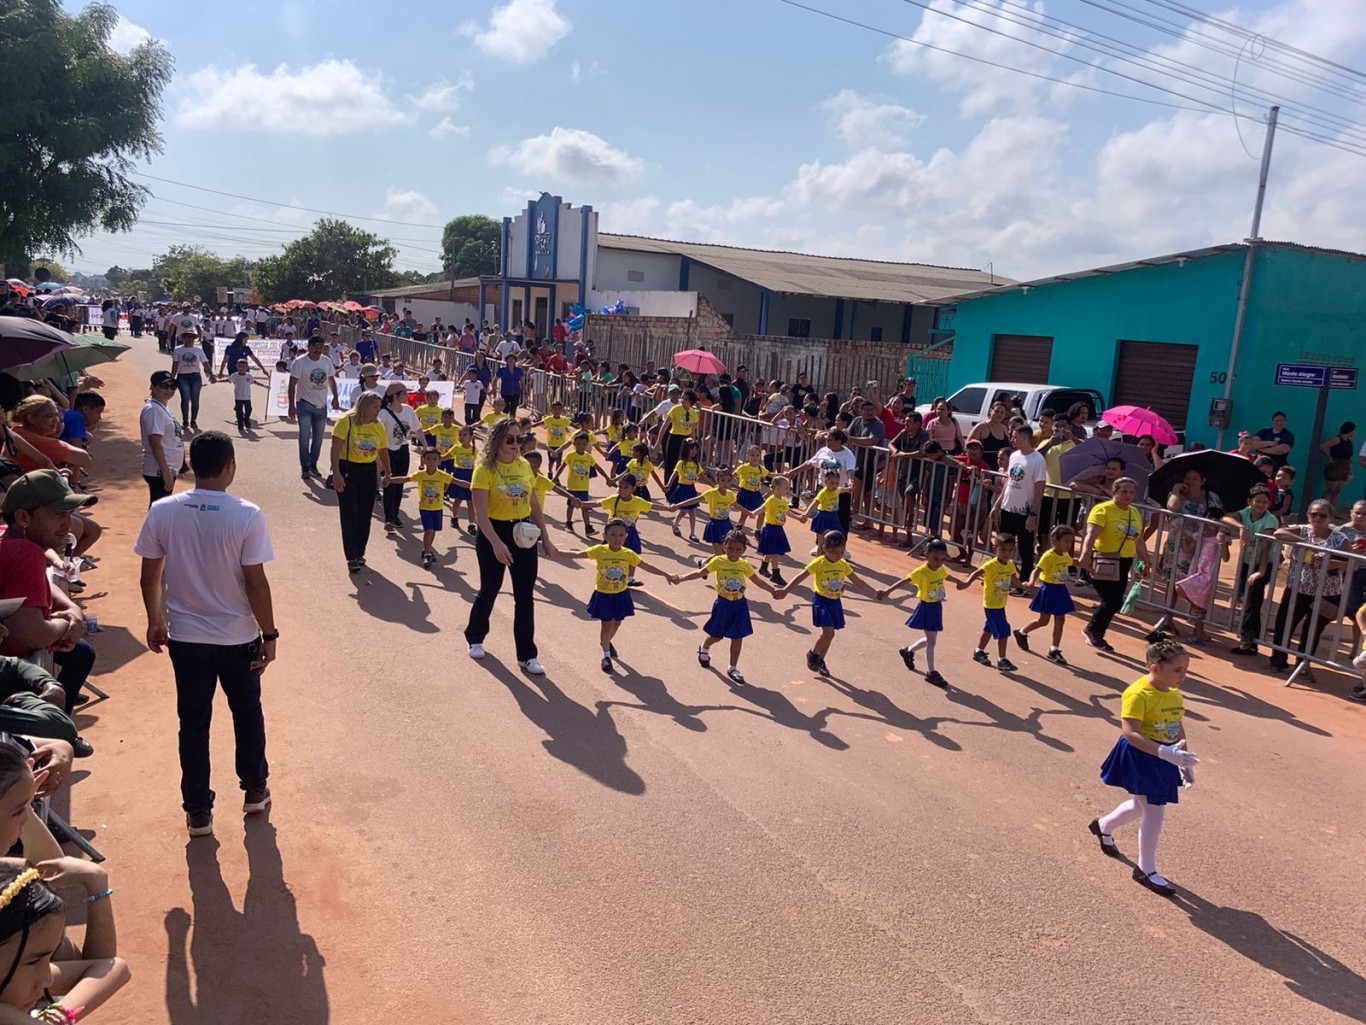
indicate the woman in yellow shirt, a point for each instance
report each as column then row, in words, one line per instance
column 682, row 422
column 360, row 447
column 504, row 495
column 1114, row 538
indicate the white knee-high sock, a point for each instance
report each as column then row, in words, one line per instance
column 930, row 639
column 1149, row 830
column 1121, row 816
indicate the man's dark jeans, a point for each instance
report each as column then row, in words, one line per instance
column 199, row 668
column 73, row 669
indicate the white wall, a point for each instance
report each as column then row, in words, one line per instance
column 650, row 304
column 567, row 244
column 613, row 265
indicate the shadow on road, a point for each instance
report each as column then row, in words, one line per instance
column 252, row 965
column 588, row 740
column 1308, row 972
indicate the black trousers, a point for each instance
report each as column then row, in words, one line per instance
column 673, row 451
column 1251, row 624
column 242, row 408
column 73, row 669
column 524, row 566
column 199, row 669
column 1296, row 607
column 393, row 494
column 156, row 487
column 355, row 504
column 1014, row 523
column 473, row 411
column 1111, row 595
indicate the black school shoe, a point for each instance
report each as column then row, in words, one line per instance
column 1145, row 880
column 936, row 679
column 1111, row 849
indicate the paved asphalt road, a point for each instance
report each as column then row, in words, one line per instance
column 453, row 841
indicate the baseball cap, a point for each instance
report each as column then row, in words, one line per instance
column 43, row 489
column 160, row 377
column 1103, row 423
column 674, row 387
column 369, row 370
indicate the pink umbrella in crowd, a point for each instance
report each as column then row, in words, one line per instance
column 698, row 361
column 1138, row 421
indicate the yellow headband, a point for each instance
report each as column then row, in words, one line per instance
column 13, row 890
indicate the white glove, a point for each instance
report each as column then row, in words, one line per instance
column 1188, row 777
column 1178, row 755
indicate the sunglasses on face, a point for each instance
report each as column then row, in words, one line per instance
column 1318, row 516
column 511, row 439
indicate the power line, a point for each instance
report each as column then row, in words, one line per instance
column 1203, row 108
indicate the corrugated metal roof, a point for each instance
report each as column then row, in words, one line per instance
column 804, row 274
column 1155, row 261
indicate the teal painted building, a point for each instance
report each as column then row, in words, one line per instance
column 1159, row 333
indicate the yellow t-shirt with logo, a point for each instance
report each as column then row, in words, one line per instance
column 718, row 503
column 688, row 471
column 775, row 510
column 929, row 582
column 731, row 575
column 556, row 430
column 614, row 567
column 431, row 488
column 750, row 476
column 492, row 417
column 579, row 468
column 827, row 578
column 446, row 437
column 682, row 421
column 1158, row 712
column 463, row 456
column 628, row 509
column 641, row 469
column 1118, row 529
column 1053, row 567
column 509, row 486
column 428, row 416
column 996, row 582
column 361, row 442
column 827, row 499
column 613, row 432
column 543, row 485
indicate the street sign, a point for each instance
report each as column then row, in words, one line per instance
column 1310, row 375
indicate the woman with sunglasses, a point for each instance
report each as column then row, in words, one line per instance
column 1305, row 566
column 503, row 496
column 359, row 444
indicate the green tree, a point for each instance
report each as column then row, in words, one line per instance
column 184, row 272
column 335, row 259
column 469, row 246
column 77, row 115
column 56, row 272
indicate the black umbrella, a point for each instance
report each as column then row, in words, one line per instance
column 1229, row 476
column 24, row 340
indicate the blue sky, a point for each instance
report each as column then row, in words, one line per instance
column 752, row 122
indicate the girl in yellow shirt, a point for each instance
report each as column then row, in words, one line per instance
column 830, row 575
column 1149, row 759
column 998, row 576
column 611, row 602
column 751, row 474
column 729, row 617
column 719, row 500
column 1052, row 600
column 928, row 581
column 772, row 516
column 682, row 485
column 825, row 505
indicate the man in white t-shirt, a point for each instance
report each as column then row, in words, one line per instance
column 163, row 453
column 507, row 347
column 208, row 601
column 261, row 318
column 1022, row 496
column 311, row 376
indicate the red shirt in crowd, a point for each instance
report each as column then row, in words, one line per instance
column 23, row 574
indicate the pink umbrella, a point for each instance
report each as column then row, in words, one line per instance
column 1138, row 421
column 699, row 361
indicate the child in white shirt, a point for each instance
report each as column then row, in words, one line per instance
column 241, row 394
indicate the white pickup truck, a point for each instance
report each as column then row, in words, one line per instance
column 972, row 403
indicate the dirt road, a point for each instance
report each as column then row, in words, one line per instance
column 453, row 841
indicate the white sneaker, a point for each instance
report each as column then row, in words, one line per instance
column 533, row 666
column 476, row 651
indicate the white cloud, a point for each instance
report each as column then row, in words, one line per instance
column 964, row 29
column 447, row 129
column 866, row 121
column 520, row 31
column 629, row 216
column 410, row 206
column 718, row 222
column 127, row 35
column 443, row 97
column 577, row 72
column 333, row 97
column 571, row 155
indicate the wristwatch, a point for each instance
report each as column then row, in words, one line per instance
column 274, row 635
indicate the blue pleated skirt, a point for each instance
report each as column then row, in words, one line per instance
column 1141, row 774
column 1052, row 600
column 611, row 607
column 827, row 612
column 717, row 530
column 682, row 492
column 633, row 538
column 928, row 616
column 824, row 521
column 773, row 540
column 729, row 618
column 749, row 500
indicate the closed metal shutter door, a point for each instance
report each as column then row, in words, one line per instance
column 1021, row 358
column 1157, row 376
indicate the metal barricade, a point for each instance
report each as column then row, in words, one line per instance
column 1189, row 580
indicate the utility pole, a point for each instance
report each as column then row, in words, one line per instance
column 1245, row 287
